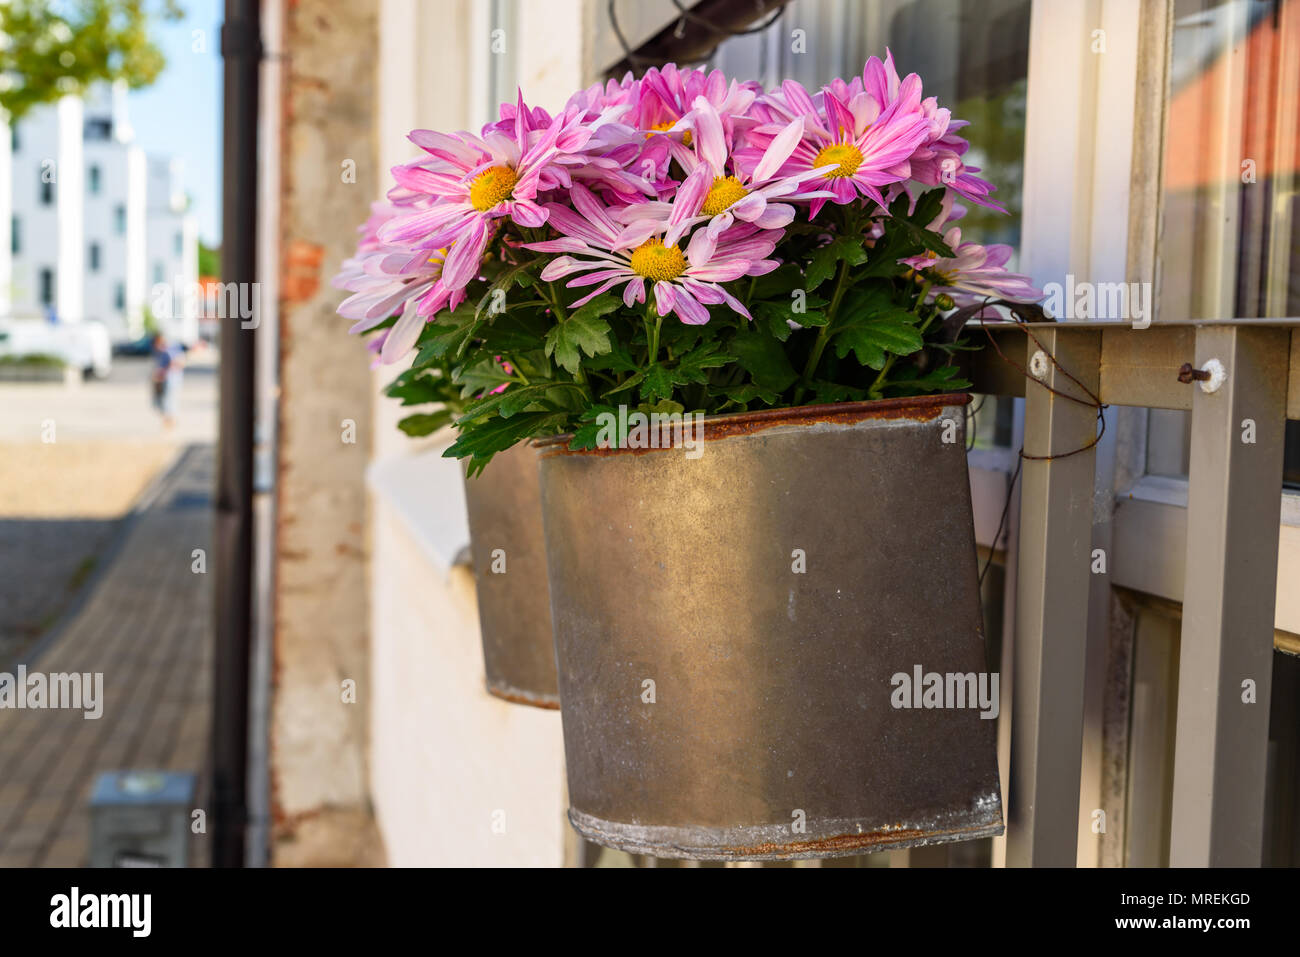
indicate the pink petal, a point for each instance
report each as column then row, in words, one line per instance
column 402, row 336
column 778, row 151
column 527, row 213
column 464, row 257
column 710, row 140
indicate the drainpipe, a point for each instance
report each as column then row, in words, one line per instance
column 241, row 51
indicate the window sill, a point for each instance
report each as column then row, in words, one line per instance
column 428, row 492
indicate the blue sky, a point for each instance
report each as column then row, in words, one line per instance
column 180, row 115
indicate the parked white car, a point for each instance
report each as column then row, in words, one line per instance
column 84, row 346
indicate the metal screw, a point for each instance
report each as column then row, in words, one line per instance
column 1211, row 377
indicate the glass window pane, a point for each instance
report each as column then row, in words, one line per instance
column 972, row 54
column 1230, row 207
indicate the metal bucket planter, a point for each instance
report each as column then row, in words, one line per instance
column 505, row 524
column 721, row 704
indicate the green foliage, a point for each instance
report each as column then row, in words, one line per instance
column 209, row 260
column 842, row 320
column 149, row 322
column 60, row 48
column 38, row 360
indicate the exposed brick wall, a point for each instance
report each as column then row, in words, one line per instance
column 318, row 742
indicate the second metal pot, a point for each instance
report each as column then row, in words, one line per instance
column 505, row 524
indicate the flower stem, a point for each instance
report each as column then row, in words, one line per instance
column 824, row 333
column 654, row 339
column 560, row 313
column 925, row 324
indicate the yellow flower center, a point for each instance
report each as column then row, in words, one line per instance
column 491, row 187
column 656, row 261
column 664, row 127
column 846, row 154
column 725, row 192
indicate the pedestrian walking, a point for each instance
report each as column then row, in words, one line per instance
column 168, row 361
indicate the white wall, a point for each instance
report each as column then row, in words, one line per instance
column 448, row 761
column 71, row 211
column 444, row 754
column 121, row 263
column 42, row 151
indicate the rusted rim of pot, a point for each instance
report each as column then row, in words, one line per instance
column 548, row 702
column 921, row 408
column 772, row 843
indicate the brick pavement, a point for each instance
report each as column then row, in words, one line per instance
column 146, row 625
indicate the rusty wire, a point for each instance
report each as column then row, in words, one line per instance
column 1093, row 400
column 1021, row 456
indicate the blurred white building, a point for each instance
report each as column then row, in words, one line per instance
column 95, row 226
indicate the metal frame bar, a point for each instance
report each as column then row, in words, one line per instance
column 1138, row 367
column 1052, row 609
column 1229, row 596
column 1234, row 513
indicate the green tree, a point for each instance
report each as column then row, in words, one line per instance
column 209, row 260
column 52, row 48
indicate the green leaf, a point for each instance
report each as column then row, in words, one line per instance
column 942, row 379
column 778, row 283
column 448, row 335
column 826, row 260
column 871, row 339
column 662, row 407
column 583, row 331
column 523, row 274
column 691, row 367
column 658, row 382
column 418, row 391
column 764, row 359
column 630, row 382
column 826, row 391
column 425, row 423
column 748, row 392
column 481, row 441
column 585, row 435
column 506, row 404
column 482, row 376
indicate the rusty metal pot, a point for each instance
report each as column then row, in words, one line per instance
column 719, row 703
column 505, row 526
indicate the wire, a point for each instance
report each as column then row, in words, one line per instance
column 1002, row 522
column 636, row 61
column 970, row 421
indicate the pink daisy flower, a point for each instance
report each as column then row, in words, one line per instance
column 977, row 272
column 386, row 279
column 938, row 161
column 716, row 191
column 868, row 145
column 684, row 282
column 475, row 180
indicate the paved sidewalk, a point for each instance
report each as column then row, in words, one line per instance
column 146, row 625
